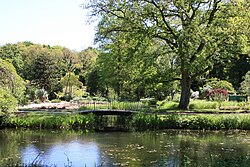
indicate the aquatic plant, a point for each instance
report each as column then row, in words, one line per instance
column 50, row 121
column 197, row 122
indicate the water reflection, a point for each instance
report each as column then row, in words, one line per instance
column 63, row 154
column 169, row 148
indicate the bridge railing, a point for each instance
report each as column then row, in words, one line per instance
column 112, row 105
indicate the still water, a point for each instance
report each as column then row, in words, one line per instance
column 163, row 148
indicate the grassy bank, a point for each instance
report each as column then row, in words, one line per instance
column 195, row 122
column 139, row 121
column 48, row 121
column 206, row 106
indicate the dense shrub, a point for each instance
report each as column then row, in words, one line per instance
column 31, row 92
column 8, row 102
column 12, row 85
column 217, row 95
column 215, row 83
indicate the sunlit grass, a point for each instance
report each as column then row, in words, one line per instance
column 206, row 106
column 49, row 121
column 186, row 121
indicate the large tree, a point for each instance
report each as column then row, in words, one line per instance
column 201, row 34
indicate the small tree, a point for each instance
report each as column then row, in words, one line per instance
column 69, row 81
column 245, row 85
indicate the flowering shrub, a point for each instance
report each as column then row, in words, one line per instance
column 215, row 83
column 217, row 94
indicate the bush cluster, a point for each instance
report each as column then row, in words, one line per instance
column 218, row 94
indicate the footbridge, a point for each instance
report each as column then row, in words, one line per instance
column 111, row 119
column 108, row 112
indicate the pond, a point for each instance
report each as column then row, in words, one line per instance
column 161, row 148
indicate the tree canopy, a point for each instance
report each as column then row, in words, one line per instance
column 200, row 35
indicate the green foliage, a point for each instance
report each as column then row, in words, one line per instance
column 245, row 85
column 72, row 86
column 12, row 87
column 9, row 79
column 233, row 105
column 8, row 103
column 169, row 105
column 31, row 92
column 50, row 121
column 198, row 36
column 149, row 101
column 215, row 83
column 70, row 79
column 204, row 91
column 133, row 106
column 44, row 72
column 194, row 104
column 116, row 105
column 13, row 54
column 88, row 60
column 196, row 122
column 203, row 104
column 234, row 71
column 207, row 106
column 42, row 95
column 142, row 121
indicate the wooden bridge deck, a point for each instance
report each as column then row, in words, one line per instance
column 108, row 112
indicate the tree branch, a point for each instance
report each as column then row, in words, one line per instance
column 199, row 49
column 171, row 44
column 214, row 10
column 163, row 18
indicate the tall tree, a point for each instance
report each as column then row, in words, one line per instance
column 200, row 33
column 44, row 72
column 87, row 63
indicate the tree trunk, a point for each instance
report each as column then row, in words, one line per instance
column 185, row 90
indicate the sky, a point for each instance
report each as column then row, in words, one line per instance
column 50, row 22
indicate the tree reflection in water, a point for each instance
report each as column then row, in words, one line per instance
column 165, row 148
